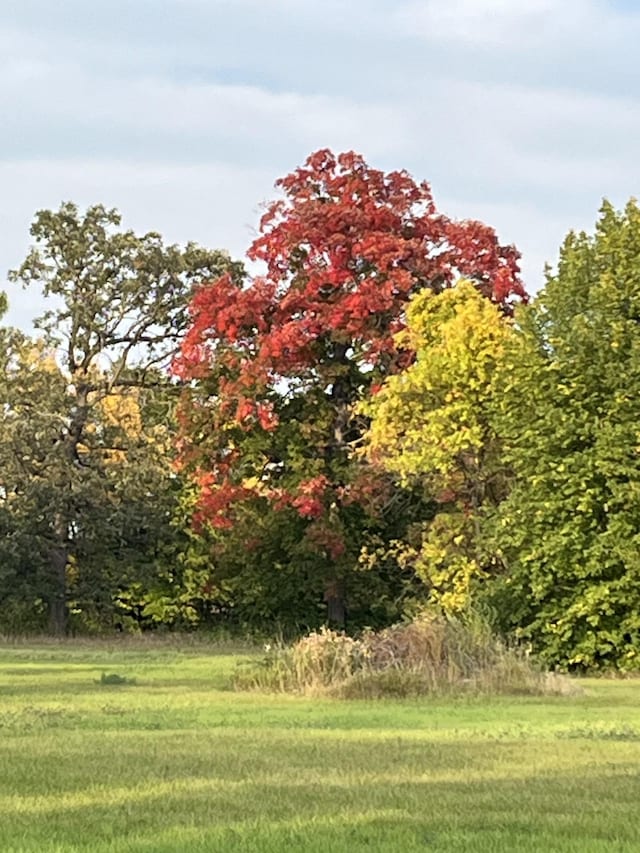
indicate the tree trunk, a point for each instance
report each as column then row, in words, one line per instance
column 59, row 551
column 341, row 398
column 336, row 604
column 58, row 599
column 58, row 557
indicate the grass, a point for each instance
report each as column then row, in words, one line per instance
column 166, row 758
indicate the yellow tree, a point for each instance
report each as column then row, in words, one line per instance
column 432, row 423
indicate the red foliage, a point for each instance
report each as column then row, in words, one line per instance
column 325, row 539
column 309, row 501
column 217, row 496
column 343, row 251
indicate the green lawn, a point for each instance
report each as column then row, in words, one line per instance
column 178, row 762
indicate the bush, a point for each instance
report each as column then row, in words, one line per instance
column 430, row 654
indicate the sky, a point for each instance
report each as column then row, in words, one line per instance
column 183, row 113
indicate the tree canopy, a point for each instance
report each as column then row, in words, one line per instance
column 431, row 425
column 85, row 459
column 374, row 421
column 278, row 361
column 568, row 410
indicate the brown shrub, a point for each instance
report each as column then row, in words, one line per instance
column 430, row 654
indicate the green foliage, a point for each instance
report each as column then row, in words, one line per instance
column 269, row 569
column 569, row 415
column 88, row 496
column 112, row 678
column 501, row 464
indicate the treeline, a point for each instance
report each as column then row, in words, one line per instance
column 379, row 422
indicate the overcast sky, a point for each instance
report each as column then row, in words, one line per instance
column 182, row 113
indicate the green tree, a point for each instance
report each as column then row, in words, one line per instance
column 81, row 463
column 569, row 416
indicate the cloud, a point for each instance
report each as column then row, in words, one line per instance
column 216, row 205
column 515, row 26
column 182, row 114
column 491, row 22
column 190, row 122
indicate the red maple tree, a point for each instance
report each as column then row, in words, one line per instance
column 343, row 250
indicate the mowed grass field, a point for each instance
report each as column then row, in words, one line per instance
column 177, row 761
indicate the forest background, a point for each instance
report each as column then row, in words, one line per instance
column 369, row 419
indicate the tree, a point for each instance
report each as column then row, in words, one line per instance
column 569, row 409
column 119, row 310
column 431, row 425
column 278, row 363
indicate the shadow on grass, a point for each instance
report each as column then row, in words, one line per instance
column 580, row 810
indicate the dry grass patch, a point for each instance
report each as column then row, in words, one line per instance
column 429, row 655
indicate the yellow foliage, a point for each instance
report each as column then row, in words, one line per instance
column 431, row 422
column 425, row 419
column 446, row 563
column 122, row 411
column 36, row 354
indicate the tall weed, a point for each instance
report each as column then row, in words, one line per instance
column 430, row 654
